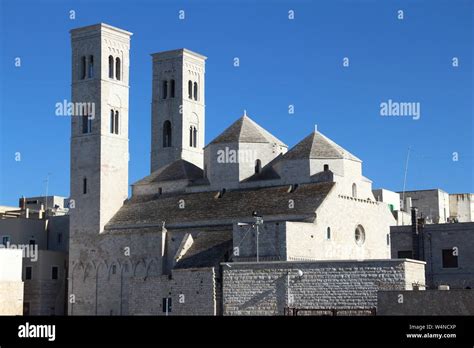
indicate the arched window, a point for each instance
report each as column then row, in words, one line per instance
column 111, row 67
column 165, row 89
column 116, row 123
column 112, row 123
column 359, row 235
column 326, row 167
column 84, row 185
column 190, row 89
column 86, row 121
column 167, row 134
column 82, row 73
column 91, row 66
column 192, row 136
column 258, row 166
column 117, row 68
column 328, row 233
column 354, row 190
column 172, row 89
column 195, row 91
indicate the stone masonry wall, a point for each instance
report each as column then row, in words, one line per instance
column 262, row 289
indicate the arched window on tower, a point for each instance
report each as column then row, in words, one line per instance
column 82, row 74
column 192, row 136
column 195, row 91
column 86, row 121
column 258, row 166
column 117, row 68
column 172, row 89
column 165, row 89
column 167, row 134
column 354, row 190
column 116, row 123
column 112, row 123
column 111, row 67
column 91, row 66
column 190, row 89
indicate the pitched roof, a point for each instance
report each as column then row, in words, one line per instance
column 177, row 170
column 245, row 130
column 204, row 208
column 208, row 250
column 317, row 145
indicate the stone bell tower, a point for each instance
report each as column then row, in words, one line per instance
column 178, row 108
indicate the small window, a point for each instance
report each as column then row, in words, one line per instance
column 258, row 166
column 359, row 235
column 160, row 190
column 450, row 258
column 82, row 74
column 354, row 190
column 91, row 67
column 60, row 238
column 112, row 123
column 86, row 124
column 32, row 242
column 405, row 254
column 194, row 137
column 5, row 240
column 167, row 134
column 111, row 67
column 195, row 91
column 328, row 233
column 190, row 89
column 172, row 89
column 191, row 136
column 166, row 304
column 54, row 272
column 388, row 239
column 117, row 68
column 84, row 185
column 164, row 92
column 28, row 273
column 116, row 123
column 326, row 167
column 114, row 269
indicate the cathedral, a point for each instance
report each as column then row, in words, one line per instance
column 242, row 225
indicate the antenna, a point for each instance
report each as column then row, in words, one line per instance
column 405, row 178
column 46, row 193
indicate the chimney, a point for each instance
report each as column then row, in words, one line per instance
column 22, row 203
column 415, row 233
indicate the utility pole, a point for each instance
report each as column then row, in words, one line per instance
column 258, row 222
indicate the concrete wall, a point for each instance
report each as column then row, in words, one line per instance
column 461, row 206
column 432, row 204
column 388, row 197
column 11, row 285
column 429, row 302
column 262, row 288
column 43, row 294
column 436, row 238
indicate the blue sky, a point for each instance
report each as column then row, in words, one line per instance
column 282, row 62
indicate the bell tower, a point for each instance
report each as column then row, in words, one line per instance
column 178, row 108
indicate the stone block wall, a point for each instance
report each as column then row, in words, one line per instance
column 267, row 288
